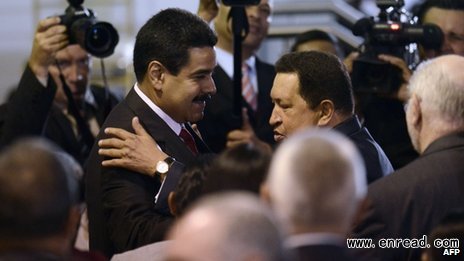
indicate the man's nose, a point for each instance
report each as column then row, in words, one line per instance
column 210, row 86
column 446, row 46
column 252, row 11
column 274, row 119
column 75, row 73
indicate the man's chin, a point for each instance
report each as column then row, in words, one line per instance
column 196, row 117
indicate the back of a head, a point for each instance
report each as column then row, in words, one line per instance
column 242, row 167
column 330, row 45
column 315, row 182
column 440, row 84
column 38, row 190
column 167, row 38
column 227, row 226
column 322, row 76
column 190, row 186
column 446, row 236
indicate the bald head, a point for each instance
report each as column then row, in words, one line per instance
column 37, row 190
column 230, row 226
column 436, row 107
column 316, row 179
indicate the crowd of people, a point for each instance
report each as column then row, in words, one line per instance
column 167, row 174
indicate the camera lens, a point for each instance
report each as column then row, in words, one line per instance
column 101, row 39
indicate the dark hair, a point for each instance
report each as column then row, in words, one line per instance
column 38, row 190
column 313, row 35
column 242, row 167
column 421, row 9
column 322, row 76
column 190, row 185
column 167, row 38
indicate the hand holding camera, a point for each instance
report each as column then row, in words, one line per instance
column 394, row 32
column 96, row 37
column 50, row 37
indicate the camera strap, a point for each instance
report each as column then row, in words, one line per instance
column 82, row 125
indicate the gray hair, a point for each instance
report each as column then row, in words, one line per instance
column 440, row 85
column 244, row 226
column 317, row 178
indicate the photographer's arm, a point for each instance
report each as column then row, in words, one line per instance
column 402, row 94
column 49, row 38
column 27, row 111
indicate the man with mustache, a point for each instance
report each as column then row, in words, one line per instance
column 311, row 90
column 173, row 62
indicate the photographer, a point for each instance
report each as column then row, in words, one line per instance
column 449, row 16
column 40, row 105
column 382, row 70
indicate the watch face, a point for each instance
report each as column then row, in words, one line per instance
column 162, row 167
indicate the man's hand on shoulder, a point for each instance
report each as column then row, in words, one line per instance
column 136, row 152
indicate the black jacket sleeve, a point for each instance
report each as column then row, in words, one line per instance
column 27, row 111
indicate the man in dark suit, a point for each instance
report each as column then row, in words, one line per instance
column 315, row 183
column 218, row 122
column 414, row 199
column 313, row 89
column 173, row 63
column 40, row 106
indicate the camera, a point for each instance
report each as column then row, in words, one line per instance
column 240, row 2
column 393, row 32
column 83, row 28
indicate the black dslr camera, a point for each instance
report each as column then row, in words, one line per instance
column 240, row 2
column 97, row 38
column 393, row 32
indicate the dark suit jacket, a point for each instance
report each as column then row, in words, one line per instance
column 377, row 163
column 321, row 253
column 386, row 120
column 414, row 199
column 121, row 203
column 31, row 113
column 26, row 112
column 218, row 119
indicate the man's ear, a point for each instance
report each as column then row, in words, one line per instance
column 155, row 74
column 325, row 111
column 172, row 204
column 72, row 223
column 415, row 114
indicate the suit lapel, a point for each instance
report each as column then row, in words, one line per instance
column 201, row 145
column 168, row 141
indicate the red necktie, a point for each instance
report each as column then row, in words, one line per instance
column 188, row 140
column 248, row 92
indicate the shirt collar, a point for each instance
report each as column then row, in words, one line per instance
column 89, row 98
column 226, row 61
column 175, row 126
